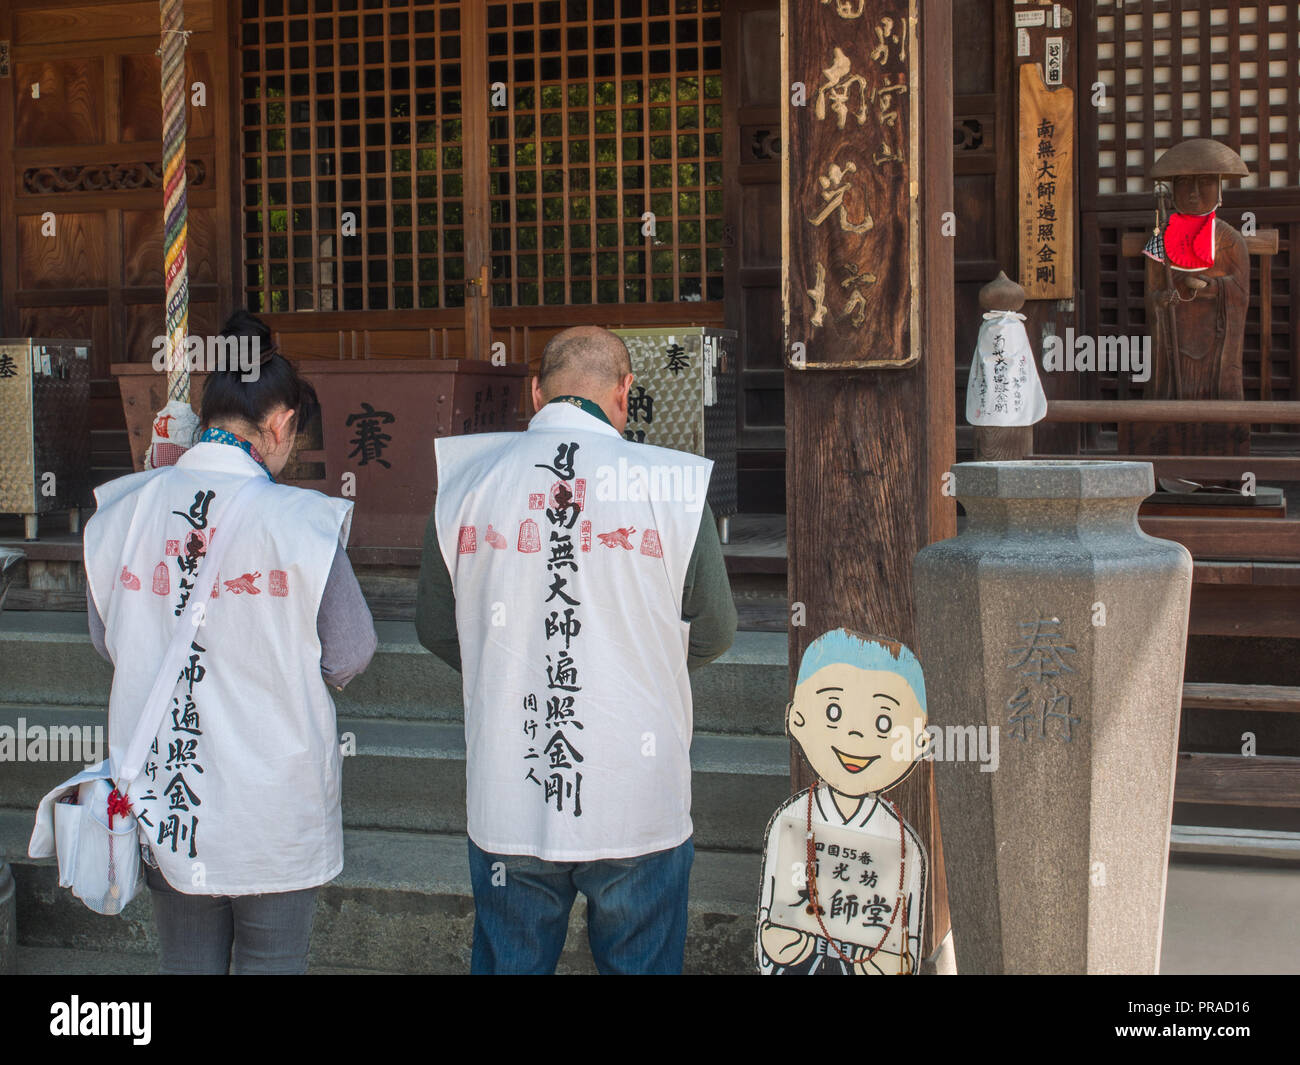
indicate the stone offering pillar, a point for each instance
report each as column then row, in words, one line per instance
column 1054, row 620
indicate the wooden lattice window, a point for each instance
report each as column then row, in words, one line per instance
column 1175, row 69
column 352, row 113
column 605, row 110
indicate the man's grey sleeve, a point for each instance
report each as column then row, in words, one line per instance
column 344, row 625
column 435, row 602
column 706, row 597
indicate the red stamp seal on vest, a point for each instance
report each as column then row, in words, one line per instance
column 529, row 541
column 577, row 494
column 650, row 544
column 536, row 501
column 129, row 580
column 584, row 536
column 279, row 583
column 173, row 548
column 161, row 582
column 467, row 541
column 245, row 584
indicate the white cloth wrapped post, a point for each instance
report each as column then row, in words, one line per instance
column 1004, row 388
column 174, row 430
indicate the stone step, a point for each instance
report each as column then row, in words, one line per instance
column 410, row 775
column 402, row 904
column 60, row 961
column 46, row 658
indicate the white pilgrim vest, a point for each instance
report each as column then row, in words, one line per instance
column 242, row 794
column 582, row 752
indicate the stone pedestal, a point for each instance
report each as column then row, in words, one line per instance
column 1053, row 619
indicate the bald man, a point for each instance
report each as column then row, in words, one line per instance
column 574, row 577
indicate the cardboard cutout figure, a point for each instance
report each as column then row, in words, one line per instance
column 844, row 877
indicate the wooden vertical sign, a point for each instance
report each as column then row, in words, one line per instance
column 850, row 190
column 867, row 272
column 1046, row 184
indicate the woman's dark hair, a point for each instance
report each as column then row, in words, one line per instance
column 228, row 394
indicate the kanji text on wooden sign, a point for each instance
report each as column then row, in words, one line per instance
column 1046, row 187
column 850, row 183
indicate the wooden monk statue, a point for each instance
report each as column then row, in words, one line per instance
column 1197, row 292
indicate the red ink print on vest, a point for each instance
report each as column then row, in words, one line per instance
column 161, row 582
column 245, row 584
column 278, row 584
column 536, row 501
column 584, row 536
column 130, row 581
column 617, row 538
column 529, row 540
column 650, row 544
column 196, row 544
column 467, row 541
column 494, row 538
column 173, row 548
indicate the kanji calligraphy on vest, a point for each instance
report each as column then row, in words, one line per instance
column 850, row 183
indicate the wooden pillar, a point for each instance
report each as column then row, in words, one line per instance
column 478, row 257
column 870, row 419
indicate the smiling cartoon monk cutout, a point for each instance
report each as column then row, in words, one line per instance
column 858, row 716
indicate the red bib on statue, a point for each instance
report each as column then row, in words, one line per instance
column 1189, row 241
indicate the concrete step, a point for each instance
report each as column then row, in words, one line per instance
column 46, row 658
column 402, row 904
column 410, row 775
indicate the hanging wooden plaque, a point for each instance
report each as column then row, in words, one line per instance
column 1046, row 187
column 850, row 184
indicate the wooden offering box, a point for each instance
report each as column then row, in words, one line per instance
column 374, row 440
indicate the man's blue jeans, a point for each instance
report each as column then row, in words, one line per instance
column 636, row 911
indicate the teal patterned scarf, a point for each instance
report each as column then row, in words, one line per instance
column 224, row 436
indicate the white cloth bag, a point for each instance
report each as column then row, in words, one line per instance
column 100, row 865
column 1004, row 388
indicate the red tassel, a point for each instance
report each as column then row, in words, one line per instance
column 117, row 804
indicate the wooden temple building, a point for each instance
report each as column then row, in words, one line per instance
column 422, row 180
